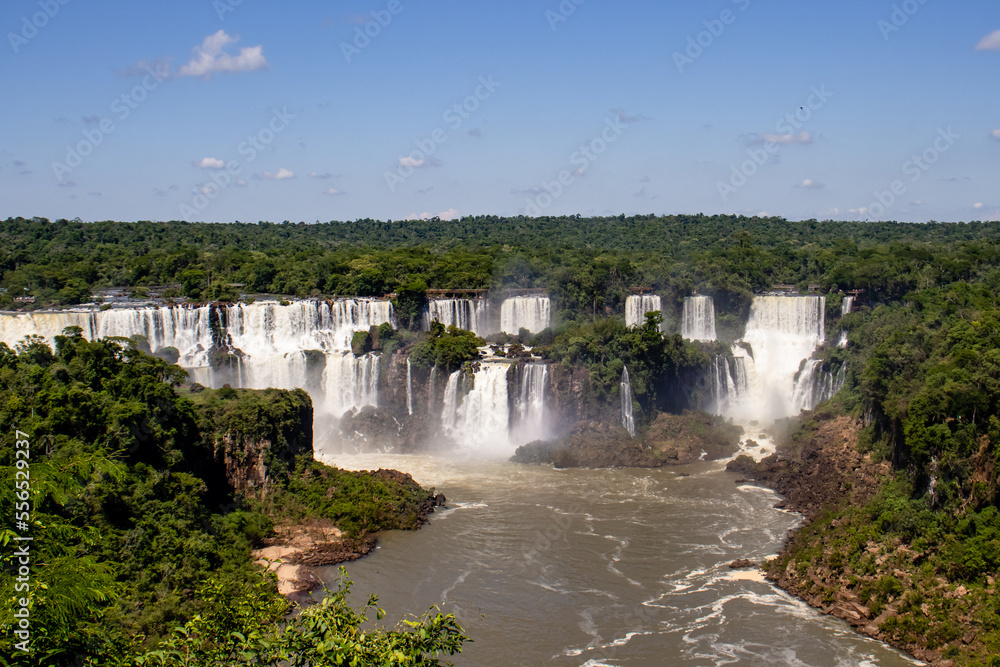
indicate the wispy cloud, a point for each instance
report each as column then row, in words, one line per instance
column 995, row 134
column 321, row 176
column 280, row 175
column 783, row 139
column 990, row 42
column 334, row 192
column 211, row 58
column 809, row 184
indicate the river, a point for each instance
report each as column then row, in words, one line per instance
column 600, row 567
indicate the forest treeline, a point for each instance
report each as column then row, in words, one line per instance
column 588, row 265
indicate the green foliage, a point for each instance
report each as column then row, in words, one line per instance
column 357, row 502
column 332, row 633
column 132, row 512
column 446, row 349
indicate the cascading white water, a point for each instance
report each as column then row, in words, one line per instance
column 529, row 421
column 698, row 321
column 469, row 314
column 782, row 331
column 188, row 330
column 637, row 306
column 476, row 417
column 15, row 326
column 274, row 341
column 525, row 312
column 302, row 344
column 628, row 421
column 847, row 305
column 813, row 385
column 409, row 387
column 481, row 417
column 731, row 380
column 432, row 390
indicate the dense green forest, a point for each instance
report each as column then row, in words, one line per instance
column 142, row 530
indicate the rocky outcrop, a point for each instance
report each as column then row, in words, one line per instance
column 670, row 440
column 255, row 436
column 818, row 469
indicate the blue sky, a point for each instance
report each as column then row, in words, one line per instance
column 225, row 110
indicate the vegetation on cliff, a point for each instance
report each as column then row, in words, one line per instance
column 144, row 506
column 914, row 559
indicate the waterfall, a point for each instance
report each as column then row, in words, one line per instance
column 626, row 395
column 525, row 312
column 813, row 385
column 431, row 390
column 304, row 344
column 409, row 388
column 636, row 308
column 528, row 423
column 698, row 321
column 189, row 330
column 476, row 411
column 847, row 305
column 469, row 314
column 482, row 416
column 782, row 331
column 731, row 381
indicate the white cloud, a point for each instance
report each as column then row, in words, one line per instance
column 995, row 134
column 210, row 163
column 210, row 58
column 809, row 184
column 316, row 174
column 334, row 192
column 989, row 43
column 787, row 139
column 279, row 175
column 978, row 205
column 240, row 183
